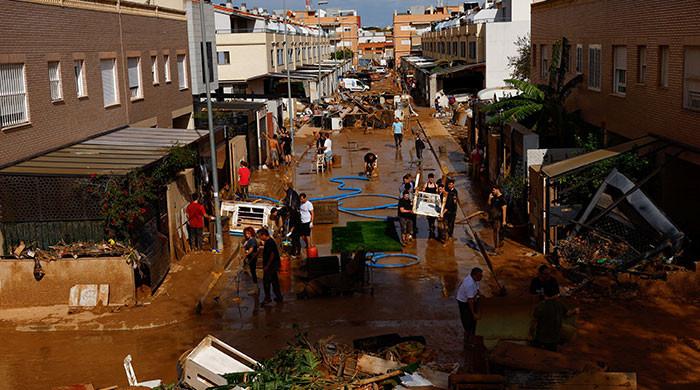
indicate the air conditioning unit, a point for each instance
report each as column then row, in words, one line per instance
column 694, row 100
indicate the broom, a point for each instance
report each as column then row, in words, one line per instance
column 480, row 245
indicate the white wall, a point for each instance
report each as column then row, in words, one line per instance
column 194, row 37
column 500, row 44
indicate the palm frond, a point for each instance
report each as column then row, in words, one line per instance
column 528, row 89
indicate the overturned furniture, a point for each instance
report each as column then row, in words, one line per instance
column 621, row 230
column 245, row 214
column 205, row 366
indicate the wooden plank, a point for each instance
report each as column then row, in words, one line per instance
column 376, row 366
column 534, row 359
column 601, row 381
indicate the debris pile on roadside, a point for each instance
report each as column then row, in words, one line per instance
column 329, row 364
column 73, row 251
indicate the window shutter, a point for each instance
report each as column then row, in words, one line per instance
column 133, row 64
column 109, row 92
column 621, row 58
column 13, row 102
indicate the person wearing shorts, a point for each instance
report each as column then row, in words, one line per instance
column 306, row 209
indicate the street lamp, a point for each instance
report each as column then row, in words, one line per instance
column 318, row 85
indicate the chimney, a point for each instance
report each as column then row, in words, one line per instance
column 229, row 5
column 308, row 5
column 244, row 7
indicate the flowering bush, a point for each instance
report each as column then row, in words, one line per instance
column 126, row 202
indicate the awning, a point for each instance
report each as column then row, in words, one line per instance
column 485, row 16
column 458, row 68
column 116, row 153
column 580, row 161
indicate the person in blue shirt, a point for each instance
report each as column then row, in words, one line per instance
column 398, row 132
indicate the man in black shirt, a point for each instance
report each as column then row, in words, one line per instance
column 251, row 252
column 271, row 265
column 406, row 217
column 370, row 164
column 498, row 214
column 544, row 283
column 449, row 208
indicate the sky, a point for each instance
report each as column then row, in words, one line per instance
column 373, row 12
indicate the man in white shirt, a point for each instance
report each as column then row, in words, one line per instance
column 468, row 301
column 306, row 209
column 328, row 150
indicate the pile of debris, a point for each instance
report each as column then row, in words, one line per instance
column 387, row 361
column 74, row 250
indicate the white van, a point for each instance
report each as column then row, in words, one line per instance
column 354, row 85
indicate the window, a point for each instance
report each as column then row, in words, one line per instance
column 463, row 49
column 620, row 70
column 472, row 50
column 134, row 73
column 405, row 41
column 579, row 59
column 691, row 78
column 594, row 76
column 55, row 81
column 13, row 96
column 454, row 48
column 79, row 69
column 182, row 71
column 534, row 56
column 641, row 64
column 663, row 66
column 154, row 70
column 166, row 67
column 567, row 50
column 223, row 58
column 272, row 57
column 544, row 62
column 110, row 93
column 280, row 59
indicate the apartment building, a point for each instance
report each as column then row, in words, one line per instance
column 484, row 33
column 640, row 62
column 410, row 25
column 341, row 26
column 126, row 65
column 251, row 55
column 375, row 44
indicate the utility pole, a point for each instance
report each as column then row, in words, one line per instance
column 320, row 30
column 212, row 136
column 290, row 104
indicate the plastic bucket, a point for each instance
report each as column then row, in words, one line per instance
column 311, row 252
column 285, row 264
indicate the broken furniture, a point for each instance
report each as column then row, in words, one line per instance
column 621, row 230
column 131, row 376
column 244, row 214
column 207, row 364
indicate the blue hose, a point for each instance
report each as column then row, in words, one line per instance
column 353, row 193
column 375, row 257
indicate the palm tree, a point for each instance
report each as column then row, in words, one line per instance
column 542, row 107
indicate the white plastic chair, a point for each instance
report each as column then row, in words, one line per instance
column 320, row 163
column 131, row 376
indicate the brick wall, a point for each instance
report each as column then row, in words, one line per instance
column 34, row 34
column 646, row 108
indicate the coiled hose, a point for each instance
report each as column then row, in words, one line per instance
column 353, row 193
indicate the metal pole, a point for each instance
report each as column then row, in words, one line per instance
column 318, row 86
column 290, row 105
column 212, row 136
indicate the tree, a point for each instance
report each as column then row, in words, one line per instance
column 543, row 107
column 342, row 54
column 520, row 64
